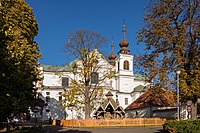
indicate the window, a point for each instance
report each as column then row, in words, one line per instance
column 126, row 101
column 117, row 101
column 94, row 77
column 65, row 81
column 60, row 98
column 126, row 65
column 47, row 99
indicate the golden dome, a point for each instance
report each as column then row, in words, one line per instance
column 112, row 56
column 124, row 50
column 123, row 43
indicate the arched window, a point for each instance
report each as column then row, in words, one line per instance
column 126, row 65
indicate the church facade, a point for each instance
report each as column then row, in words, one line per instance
column 123, row 86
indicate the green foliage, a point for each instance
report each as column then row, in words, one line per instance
column 182, row 126
column 171, row 37
column 18, row 57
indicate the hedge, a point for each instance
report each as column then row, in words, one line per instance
column 182, row 126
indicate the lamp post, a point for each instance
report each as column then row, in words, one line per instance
column 178, row 107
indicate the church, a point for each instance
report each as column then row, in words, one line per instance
column 124, row 88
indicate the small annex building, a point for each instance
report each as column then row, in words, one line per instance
column 154, row 102
column 109, row 109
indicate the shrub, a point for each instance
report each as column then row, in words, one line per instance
column 182, row 126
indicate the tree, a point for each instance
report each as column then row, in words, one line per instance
column 87, row 84
column 18, row 57
column 171, row 35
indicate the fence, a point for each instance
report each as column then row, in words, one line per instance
column 128, row 122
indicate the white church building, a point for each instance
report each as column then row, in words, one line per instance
column 125, row 86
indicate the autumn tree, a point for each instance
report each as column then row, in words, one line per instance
column 171, row 36
column 89, row 70
column 18, row 57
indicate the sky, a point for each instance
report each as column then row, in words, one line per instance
column 58, row 18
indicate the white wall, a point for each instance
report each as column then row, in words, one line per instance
column 141, row 113
column 55, row 78
column 123, row 82
column 121, row 58
column 121, row 98
column 167, row 113
column 56, row 111
column 50, row 79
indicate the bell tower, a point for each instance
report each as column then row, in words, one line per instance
column 124, row 65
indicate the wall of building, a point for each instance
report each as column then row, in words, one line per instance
column 121, row 85
column 159, row 112
column 138, row 113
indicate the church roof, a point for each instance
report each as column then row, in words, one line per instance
column 64, row 68
column 152, row 97
column 112, row 56
column 139, row 77
column 57, row 68
column 109, row 94
column 106, row 103
column 139, row 88
column 124, row 43
column 109, row 100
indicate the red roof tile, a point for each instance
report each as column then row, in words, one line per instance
column 153, row 97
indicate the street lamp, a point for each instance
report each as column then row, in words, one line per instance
column 178, row 107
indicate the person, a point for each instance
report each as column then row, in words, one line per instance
column 50, row 120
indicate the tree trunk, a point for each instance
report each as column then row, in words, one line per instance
column 8, row 128
column 8, row 125
column 87, row 102
column 194, row 111
column 87, row 110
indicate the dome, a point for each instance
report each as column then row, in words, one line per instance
column 124, row 50
column 112, row 56
column 124, row 43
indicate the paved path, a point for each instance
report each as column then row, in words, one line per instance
column 56, row 129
